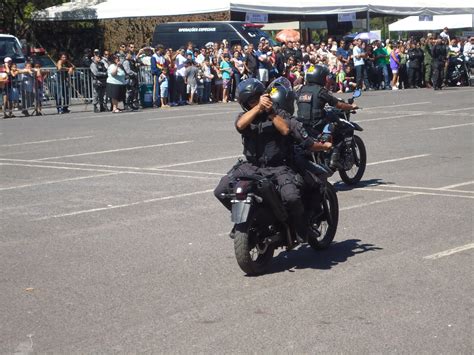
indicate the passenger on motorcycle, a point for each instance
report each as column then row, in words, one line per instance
column 312, row 99
column 268, row 136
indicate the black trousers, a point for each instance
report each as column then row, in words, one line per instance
column 414, row 77
column 438, row 74
column 403, row 77
column 180, row 89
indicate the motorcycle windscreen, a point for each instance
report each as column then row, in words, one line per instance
column 240, row 212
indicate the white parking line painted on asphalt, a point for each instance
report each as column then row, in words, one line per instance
column 399, row 159
column 421, row 188
column 46, row 141
column 400, row 105
column 457, row 185
column 189, row 171
column 375, row 202
column 170, row 175
column 57, row 167
column 419, row 193
column 57, row 181
column 133, row 168
column 452, row 126
column 454, row 110
column 165, row 198
column 449, row 252
column 75, row 164
column 197, row 162
column 116, row 150
column 191, row 115
column 392, row 117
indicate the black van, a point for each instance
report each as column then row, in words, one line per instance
column 178, row 34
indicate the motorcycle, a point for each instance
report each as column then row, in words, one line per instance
column 457, row 72
column 261, row 222
column 348, row 156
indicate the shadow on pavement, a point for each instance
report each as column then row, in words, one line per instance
column 307, row 258
column 341, row 186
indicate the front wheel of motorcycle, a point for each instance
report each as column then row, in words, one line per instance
column 326, row 220
column 253, row 256
column 355, row 173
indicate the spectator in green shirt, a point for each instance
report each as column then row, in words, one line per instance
column 381, row 58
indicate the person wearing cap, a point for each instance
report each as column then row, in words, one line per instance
column 99, row 73
column 5, row 86
column 426, row 45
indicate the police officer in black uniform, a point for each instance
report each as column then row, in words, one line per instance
column 268, row 137
column 131, row 74
column 439, row 53
column 312, row 99
column 99, row 73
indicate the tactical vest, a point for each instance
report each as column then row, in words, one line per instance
column 264, row 145
column 310, row 106
column 102, row 71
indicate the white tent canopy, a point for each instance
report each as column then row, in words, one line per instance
column 413, row 23
column 311, row 7
column 106, row 9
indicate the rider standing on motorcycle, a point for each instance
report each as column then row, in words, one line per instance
column 268, row 137
column 312, row 99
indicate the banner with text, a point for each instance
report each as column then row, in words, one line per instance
column 346, row 17
column 256, row 17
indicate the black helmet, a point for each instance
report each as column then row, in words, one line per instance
column 249, row 90
column 282, row 95
column 316, row 74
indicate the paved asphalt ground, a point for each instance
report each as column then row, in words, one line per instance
column 111, row 239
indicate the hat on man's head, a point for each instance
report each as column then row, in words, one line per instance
column 7, row 59
column 262, row 39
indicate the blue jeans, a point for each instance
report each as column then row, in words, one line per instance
column 361, row 76
column 383, row 70
column 156, row 91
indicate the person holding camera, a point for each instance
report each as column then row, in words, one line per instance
column 99, row 73
column 116, row 84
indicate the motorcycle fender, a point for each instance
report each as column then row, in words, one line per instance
column 357, row 127
column 240, row 212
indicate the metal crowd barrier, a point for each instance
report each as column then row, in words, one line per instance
column 56, row 89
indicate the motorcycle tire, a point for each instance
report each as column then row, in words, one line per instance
column 327, row 224
column 250, row 260
column 362, row 157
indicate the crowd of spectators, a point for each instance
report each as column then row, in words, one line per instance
column 191, row 75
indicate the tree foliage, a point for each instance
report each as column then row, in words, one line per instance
column 18, row 15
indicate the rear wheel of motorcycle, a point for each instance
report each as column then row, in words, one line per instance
column 326, row 224
column 353, row 176
column 253, row 258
